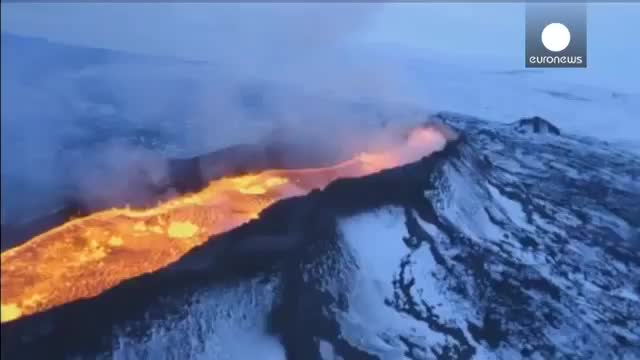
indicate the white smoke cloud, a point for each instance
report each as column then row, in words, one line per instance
column 296, row 58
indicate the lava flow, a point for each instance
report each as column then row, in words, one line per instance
column 86, row 256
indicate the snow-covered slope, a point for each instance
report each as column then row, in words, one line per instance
column 511, row 243
column 523, row 246
column 529, row 250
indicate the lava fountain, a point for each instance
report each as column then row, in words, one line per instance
column 86, row 256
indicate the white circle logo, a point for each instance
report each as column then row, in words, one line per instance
column 556, row 37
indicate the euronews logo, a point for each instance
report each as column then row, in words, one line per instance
column 556, row 35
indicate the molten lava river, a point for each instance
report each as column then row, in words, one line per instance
column 86, row 256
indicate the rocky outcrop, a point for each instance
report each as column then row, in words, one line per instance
column 536, row 125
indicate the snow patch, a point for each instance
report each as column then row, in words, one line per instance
column 221, row 323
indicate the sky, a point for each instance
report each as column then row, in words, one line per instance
column 468, row 33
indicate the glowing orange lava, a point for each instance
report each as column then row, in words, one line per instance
column 87, row 256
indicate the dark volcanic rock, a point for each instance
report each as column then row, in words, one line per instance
column 536, row 125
